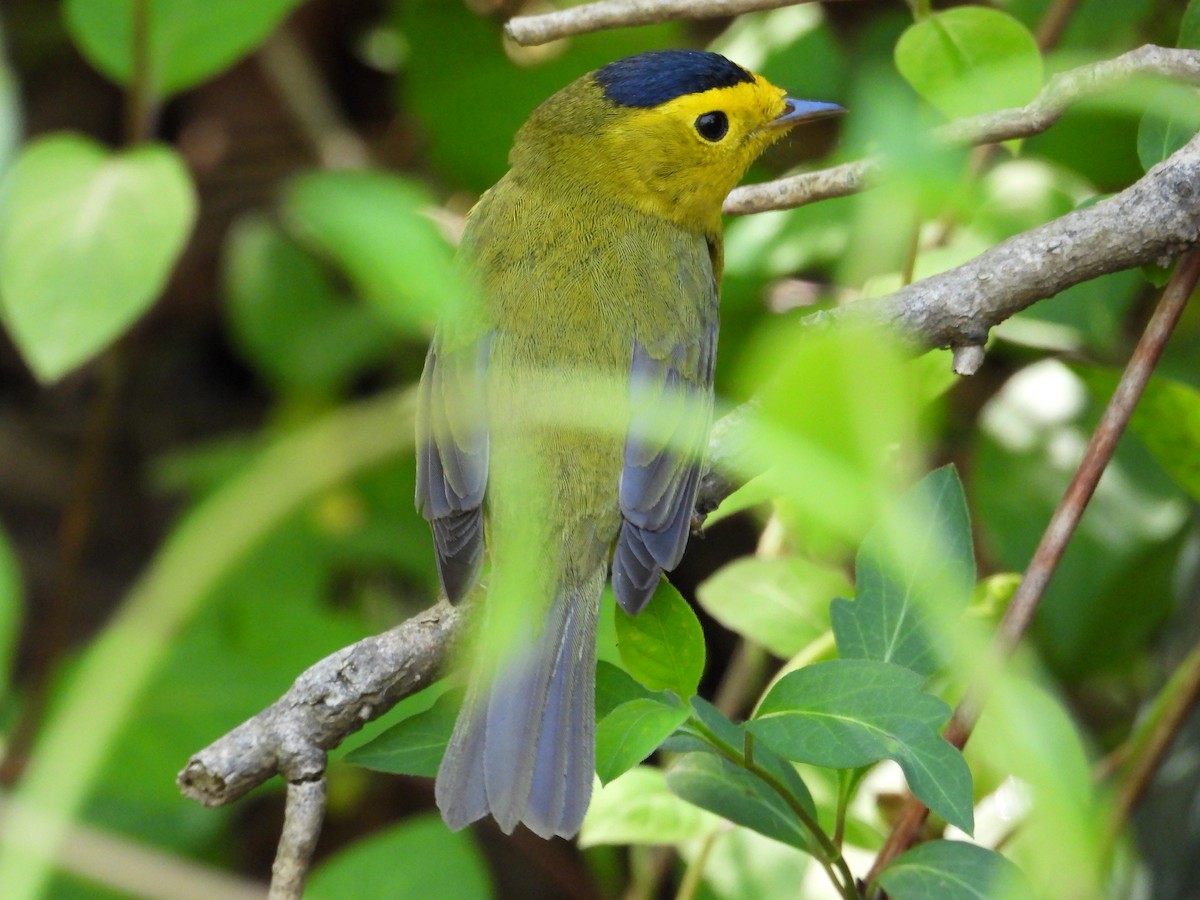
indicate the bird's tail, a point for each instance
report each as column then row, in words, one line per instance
column 523, row 748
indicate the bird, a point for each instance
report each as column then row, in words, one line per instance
column 561, row 424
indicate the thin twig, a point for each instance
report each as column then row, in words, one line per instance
column 539, row 29
column 302, row 820
column 1060, row 93
column 1181, row 695
column 307, row 97
column 1058, row 533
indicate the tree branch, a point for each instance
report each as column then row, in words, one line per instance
column 327, row 703
column 540, row 29
column 1060, row 93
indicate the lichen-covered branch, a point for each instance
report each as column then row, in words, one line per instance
column 539, row 29
column 328, row 702
column 1060, row 93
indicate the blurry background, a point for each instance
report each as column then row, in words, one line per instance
column 276, row 316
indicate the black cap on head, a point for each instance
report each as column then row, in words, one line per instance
column 651, row 78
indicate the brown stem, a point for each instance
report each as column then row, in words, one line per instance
column 1183, row 693
column 1019, row 615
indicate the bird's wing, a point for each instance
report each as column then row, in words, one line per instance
column 671, row 414
column 452, row 456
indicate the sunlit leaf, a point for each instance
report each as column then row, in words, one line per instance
column 637, row 808
column 969, row 60
column 631, row 732
column 663, row 646
column 782, row 604
column 88, row 239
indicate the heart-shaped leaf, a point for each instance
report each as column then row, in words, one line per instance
column 87, row 240
column 188, row 40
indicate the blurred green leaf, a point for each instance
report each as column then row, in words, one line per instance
column 288, row 318
column 633, row 731
column 915, row 573
column 835, row 405
column 1033, row 435
column 782, row 604
column 420, row 857
column 637, row 808
column 850, row 713
column 189, row 40
column 87, row 240
column 714, row 783
column 413, row 746
column 469, row 95
column 953, row 870
column 371, row 226
column 970, row 60
column 742, row 864
column 10, row 612
column 10, row 108
column 663, row 646
column 1026, row 732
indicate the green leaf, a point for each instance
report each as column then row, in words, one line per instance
column 953, row 870
column 1160, row 134
column 87, row 240
column 1062, row 843
column 638, row 809
column 850, row 713
column 782, row 604
column 915, row 566
column 615, row 686
column 188, row 40
column 418, row 858
column 633, row 731
column 371, row 226
column 414, row 746
column 1166, row 419
column 1189, row 27
column 663, row 646
column 10, row 611
column 970, row 60
column 288, row 318
column 740, row 864
column 714, row 783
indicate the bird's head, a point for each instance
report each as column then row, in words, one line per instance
column 669, row 131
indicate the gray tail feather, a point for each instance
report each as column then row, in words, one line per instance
column 523, row 748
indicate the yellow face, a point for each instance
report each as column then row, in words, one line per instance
column 680, row 159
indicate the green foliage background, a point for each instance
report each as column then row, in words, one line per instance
column 275, row 471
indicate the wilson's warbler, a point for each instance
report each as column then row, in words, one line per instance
column 598, row 257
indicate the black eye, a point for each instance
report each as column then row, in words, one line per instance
column 712, row 126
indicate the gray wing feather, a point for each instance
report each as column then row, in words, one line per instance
column 452, row 458
column 672, row 412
